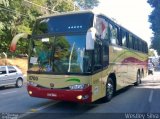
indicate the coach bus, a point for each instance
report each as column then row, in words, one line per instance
column 83, row 57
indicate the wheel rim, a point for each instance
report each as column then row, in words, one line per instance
column 19, row 83
column 110, row 89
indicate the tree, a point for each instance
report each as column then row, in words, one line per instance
column 19, row 16
column 14, row 21
column 87, row 4
column 155, row 24
column 151, row 53
column 4, row 2
column 60, row 5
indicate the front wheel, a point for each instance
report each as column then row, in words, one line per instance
column 110, row 89
column 19, row 83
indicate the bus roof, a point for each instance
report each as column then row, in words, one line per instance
column 92, row 12
column 66, row 13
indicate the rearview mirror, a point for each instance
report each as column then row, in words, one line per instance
column 16, row 39
column 90, row 38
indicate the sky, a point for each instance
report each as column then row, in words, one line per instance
column 132, row 14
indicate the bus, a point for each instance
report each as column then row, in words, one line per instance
column 83, row 57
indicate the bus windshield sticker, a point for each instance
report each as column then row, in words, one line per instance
column 45, row 39
column 33, row 60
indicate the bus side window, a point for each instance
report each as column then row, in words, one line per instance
column 143, row 47
column 97, row 56
column 113, row 34
column 106, row 35
column 124, row 38
column 105, row 54
column 133, row 43
column 136, row 44
column 146, row 48
column 140, row 45
column 130, row 41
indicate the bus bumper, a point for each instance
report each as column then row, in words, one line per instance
column 81, row 96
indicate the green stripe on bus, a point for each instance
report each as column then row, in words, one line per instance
column 73, row 79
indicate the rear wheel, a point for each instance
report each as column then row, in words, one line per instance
column 110, row 89
column 19, row 83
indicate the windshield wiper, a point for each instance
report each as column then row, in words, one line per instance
column 70, row 57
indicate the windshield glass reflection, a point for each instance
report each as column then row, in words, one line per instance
column 60, row 54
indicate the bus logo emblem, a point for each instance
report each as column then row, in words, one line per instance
column 52, row 85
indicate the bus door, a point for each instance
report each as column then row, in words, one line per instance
column 97, row 70
column 98, row 63
column 105, row 72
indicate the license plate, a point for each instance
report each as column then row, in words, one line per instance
column 51, row 95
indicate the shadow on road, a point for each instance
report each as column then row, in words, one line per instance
column 6, row 87
column 119, row 92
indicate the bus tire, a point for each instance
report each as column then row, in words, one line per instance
column 110, row 89
column 138, row 79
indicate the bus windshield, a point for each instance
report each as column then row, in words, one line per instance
column 60, row 54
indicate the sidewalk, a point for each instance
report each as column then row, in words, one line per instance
column 155, row 76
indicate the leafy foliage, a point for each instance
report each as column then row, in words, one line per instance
column 155, row 24
column 151, row 53
column 87, row 4
column 4, row 2
column 19, row 16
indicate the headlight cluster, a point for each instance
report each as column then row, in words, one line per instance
column 78, row 86
column 32, row 84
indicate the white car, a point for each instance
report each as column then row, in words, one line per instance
column 11, row 75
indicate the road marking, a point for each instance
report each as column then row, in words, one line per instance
column 36, row 110
column 43, row 107
column 24, row 115
column 9, row 92
column 150, row 96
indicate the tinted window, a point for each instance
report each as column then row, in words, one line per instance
column 11, row 69
column 146, row 48
column 133, row 43
column 140, row 45
column 97, row 56
column 64, row 23
column 136, row 43
column 105, row 55
column 124, row 38
column 130, row 41
column 2, row 70
column 113, row 34
column 143, row 46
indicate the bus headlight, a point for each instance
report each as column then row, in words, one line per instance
column 78, row 86
column 32, row 84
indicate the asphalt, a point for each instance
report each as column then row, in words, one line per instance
column 143, row 99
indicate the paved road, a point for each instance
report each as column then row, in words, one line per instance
column 142, row 99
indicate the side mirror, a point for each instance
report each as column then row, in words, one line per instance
column 16, row 39
column 90, row 38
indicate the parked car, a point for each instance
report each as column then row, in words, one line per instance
column 150, row 68
column 11, row 75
